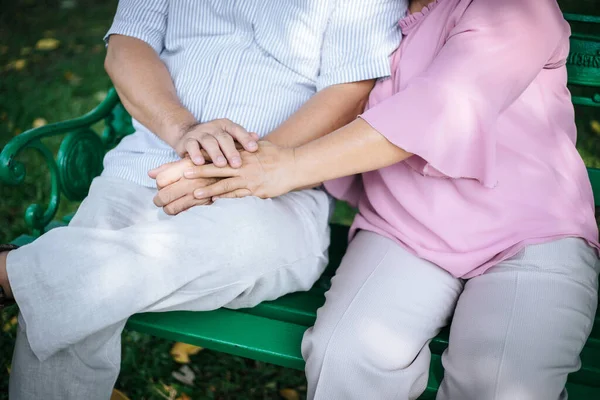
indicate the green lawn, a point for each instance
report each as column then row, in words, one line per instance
column 65, row 82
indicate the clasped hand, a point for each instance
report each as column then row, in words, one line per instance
column 265, row 171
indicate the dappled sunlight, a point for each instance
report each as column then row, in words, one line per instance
column 385, row 346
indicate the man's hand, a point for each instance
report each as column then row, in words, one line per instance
column 218, row 139
column 175, row 193
column 267, row 173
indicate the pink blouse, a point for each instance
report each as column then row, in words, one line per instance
column 478, row 94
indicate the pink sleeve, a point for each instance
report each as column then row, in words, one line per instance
column 446, row 115
column 348, row 188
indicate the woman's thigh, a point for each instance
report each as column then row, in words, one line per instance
column 518, row 329
column 383, row 307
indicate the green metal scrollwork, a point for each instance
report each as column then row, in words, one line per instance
column 117, row 125
column 36, row 217
column 79, row 161
column 79, row 158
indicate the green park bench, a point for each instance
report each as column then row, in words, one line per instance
column 272, row 331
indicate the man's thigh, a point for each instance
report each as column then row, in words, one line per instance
column 267, row 247
column 114, row 203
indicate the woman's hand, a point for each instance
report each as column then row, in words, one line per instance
column 266, row 173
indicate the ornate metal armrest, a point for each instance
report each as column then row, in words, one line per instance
column 79, row 157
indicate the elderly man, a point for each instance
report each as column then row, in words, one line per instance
column 196, row 76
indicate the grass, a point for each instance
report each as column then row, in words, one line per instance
column 58, row 84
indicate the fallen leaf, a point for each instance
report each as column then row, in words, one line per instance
column 118, row 395
column 185, row 375
column 72, row 78
column 8, row 369
column 17, row 65
column 595, row 125
column 184, row 397
column 39, row 122
column 289, row 394
column 3, row 49
column 181, row 352
column 171, row 392
column 47, row 44
column 25, row 51
column 9, row 325
column 20, row 64
column 271, row 385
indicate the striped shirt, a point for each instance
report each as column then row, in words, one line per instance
column 254, row 62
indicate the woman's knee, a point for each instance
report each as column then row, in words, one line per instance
column 362, row 345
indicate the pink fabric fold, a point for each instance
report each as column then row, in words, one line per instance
column 478, row 94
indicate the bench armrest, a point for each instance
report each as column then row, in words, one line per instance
column 77, row 162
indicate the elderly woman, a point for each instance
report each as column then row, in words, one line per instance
column 473, row 203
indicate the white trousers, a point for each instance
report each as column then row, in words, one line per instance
column 76, row 286
column 516, row 334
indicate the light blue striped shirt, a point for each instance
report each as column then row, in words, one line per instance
column 254, row 62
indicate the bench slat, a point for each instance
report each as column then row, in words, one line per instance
column 228, row 331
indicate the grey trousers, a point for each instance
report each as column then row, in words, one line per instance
column 516, row 334
column 76, row 286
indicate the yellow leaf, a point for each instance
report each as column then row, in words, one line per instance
column 167, row 392
column 118, row 395
column 17, row 64
column 289, row 394
column 8, row 369
column 184, row 397
column 72, row 78
column 181, row 352
column 20, row 64
column 39, row 122
column 9, row 325
column 47, row 44
column 595, row 125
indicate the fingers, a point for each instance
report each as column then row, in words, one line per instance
column 236, row 194
column 209, row 171
column 153, row 173
column 192, row 147
column 173, row 172
column 220, row 188
column 172, row 192
column 210, row 144
column 183, row 204
column 246, row 139
column 228, row 147
column 178, row 190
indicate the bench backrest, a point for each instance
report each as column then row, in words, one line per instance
column 583, row 65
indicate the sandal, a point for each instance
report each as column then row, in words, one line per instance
column 4, row 301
